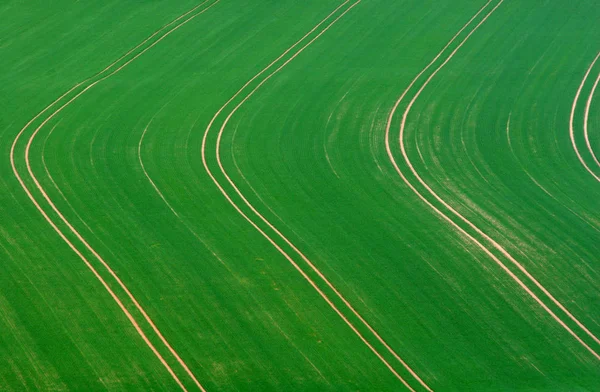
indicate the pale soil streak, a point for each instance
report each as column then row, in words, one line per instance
column 73, row 230
column 585, row 121
column 468, row 222
column 571, row 130
column 102, row 281
column 280, row 234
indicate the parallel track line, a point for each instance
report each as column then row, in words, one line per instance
column 69, row 225
column 585, row 121
column 468, row 222
column 572, row 118
column 296, row 266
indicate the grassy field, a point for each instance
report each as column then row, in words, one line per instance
column 310, row 195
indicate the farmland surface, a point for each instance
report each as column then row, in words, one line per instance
column 316, row 195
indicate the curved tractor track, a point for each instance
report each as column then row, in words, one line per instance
column 585, row 121
column 257, row 214
column 428, row 190
column 52, row 111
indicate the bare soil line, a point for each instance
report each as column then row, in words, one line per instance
column 255, row 211
column 572, row 118
column 585, row 121
column 465, row 220
column 70, row 226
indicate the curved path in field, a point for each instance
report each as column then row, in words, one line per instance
column 491, row 241
column 271, row 226
column 572, row 119
column 586, row 117
column 107, row 72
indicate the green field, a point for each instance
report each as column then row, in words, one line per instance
column 330, row 195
